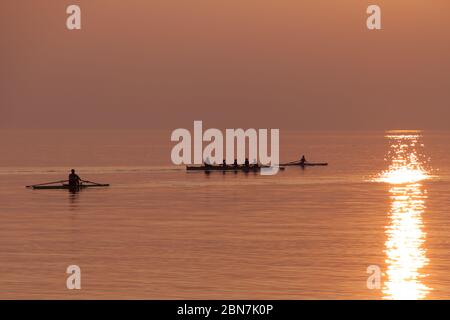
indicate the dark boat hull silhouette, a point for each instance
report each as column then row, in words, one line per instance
column 251, row 168
column 68, row 187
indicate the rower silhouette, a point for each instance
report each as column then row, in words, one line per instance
column 74, row 179
column 303, row 160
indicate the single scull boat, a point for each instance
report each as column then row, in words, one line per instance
column 306, row 164
column 64, row 185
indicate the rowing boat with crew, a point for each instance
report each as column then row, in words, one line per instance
column 65, row 186
column 247, row 167
column 244, row 168
column 74, row 183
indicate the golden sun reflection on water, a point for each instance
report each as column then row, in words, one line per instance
column 405, row 246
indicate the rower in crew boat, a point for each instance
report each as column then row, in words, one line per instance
column 303, row 160
column 246, row 163
column 74, row 179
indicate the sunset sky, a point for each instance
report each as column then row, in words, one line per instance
column 288, row 64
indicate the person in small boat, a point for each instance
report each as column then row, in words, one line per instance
column 74, row 179
column 246, row 163
column 303, row 160
column 224, row 163
column 235, row 164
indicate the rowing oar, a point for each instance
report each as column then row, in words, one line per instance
column 43, row 184
column 292, row 162
column 96, row 183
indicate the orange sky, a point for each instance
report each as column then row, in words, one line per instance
column 287, row 64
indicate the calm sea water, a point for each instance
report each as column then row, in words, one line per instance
column 160, row 233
